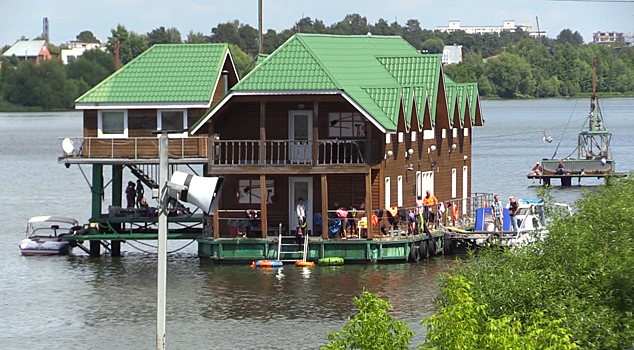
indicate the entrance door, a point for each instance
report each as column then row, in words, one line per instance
column 301, row 135
column 300, row 187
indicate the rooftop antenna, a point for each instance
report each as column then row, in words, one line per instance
column 539, row 33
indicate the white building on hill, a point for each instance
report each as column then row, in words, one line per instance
column 77, row 48
column 507, row 26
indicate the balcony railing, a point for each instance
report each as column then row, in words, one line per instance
column 136, row 147
column 286, row 152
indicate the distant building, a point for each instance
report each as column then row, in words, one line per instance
column 77, row 48
column 29, row 50
column 452, row 54
column 507, row 26
column 608, row 38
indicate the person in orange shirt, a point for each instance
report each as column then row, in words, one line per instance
column 429, row 202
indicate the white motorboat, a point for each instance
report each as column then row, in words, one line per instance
column 45, row 235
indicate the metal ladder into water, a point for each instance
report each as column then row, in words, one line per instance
column 299, row 249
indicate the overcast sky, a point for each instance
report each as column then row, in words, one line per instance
column 69, row 17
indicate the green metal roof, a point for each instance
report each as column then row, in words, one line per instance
column 163, row 73
column 472, row 95
column 461, row 91
column 451, row 90
column 375, row 72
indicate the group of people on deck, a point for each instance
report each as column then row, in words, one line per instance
column 497, row 212
column 134, row 195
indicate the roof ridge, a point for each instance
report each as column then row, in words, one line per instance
column 319, row 62
column 350, row 36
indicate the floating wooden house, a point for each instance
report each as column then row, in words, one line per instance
column 362, row 121
column 166, row 87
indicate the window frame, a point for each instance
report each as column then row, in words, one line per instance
column 100, row 133
column 387, row 192
column 252, row 197
column 159, row 122
column 399, row 191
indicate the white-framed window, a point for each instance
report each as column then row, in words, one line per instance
column 249, row 191
column 113, row 124
column 444, row 133
column 346, row 125
column 172, row 119
column 455, row 132
column 454, row 180
column 388, row 139
column 413, row 136
column 465, row 187
column 465, row 132
column 399, row 190
column 425, row 183
column 419, row 184
column 429, row 134
column 387, row 192
column 400, row 137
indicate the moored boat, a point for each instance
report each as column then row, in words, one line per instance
column 45, row 235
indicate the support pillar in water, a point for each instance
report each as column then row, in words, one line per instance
column 115, row 248
column 95, row 249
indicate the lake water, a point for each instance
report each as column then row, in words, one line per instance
column 76, row 302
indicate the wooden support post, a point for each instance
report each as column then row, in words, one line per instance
column 115, row 248
column 95, row 249
column 368, row 202
column 263, row 213
column 315, row 133
column 117, row 194
column 368, row 142
column 97, row 188
column 216, row 223
column 262, row 139
column 211, row 150
column 324, row 205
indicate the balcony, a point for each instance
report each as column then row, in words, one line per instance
column 134, row 150
column 287, row 152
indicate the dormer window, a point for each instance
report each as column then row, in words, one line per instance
column 172, row 119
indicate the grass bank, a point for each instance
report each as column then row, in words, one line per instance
column 6, row 106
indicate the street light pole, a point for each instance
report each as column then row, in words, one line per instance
column 162, row 241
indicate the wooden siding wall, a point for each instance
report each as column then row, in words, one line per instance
column 141, row 123
column 241, row 122
column 421, row 160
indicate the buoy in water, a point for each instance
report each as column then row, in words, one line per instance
column 305, row 263
column 266, row 263
column 331, row 261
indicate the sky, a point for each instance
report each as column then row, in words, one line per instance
column 69, row 17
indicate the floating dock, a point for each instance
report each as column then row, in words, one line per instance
column 566, row 180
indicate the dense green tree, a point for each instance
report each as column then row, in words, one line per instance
column 372, row 328
column 92, row 67
column 131, row 44
column 566, row 36
column 161, row 35
column 241, row 60
column 196, row 38
column 511, row 75
column 432, row 45
column 86, row 36
column 5, row 48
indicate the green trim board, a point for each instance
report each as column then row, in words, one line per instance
column 164, row 73
column 377, row 73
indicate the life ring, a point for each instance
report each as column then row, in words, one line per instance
column 454, row 211
column 300, row 263
column 266, row 263
column 423, row 250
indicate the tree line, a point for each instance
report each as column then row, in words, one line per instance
column 506, row 65
column 572, row 290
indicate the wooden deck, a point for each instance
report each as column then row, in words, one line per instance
column 566, row 179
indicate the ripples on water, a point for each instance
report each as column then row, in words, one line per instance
column 81, row 303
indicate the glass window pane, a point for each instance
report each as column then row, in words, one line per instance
column 172, row 120
column 301, row 127
column 112, row 123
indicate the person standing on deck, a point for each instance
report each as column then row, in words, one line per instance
column 140, row 191
column 130, row 194
column 301, row 220
column 429, row 201
column 497, row 213
column 514, row 209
